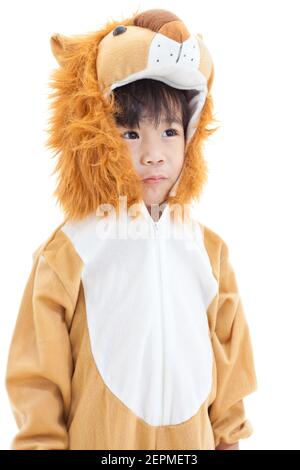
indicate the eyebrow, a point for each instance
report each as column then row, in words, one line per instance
column 176, row 120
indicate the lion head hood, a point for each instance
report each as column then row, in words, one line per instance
column 94, row 165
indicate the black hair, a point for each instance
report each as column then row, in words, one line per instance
column 150, row 99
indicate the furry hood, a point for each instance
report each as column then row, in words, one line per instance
column 93, row 164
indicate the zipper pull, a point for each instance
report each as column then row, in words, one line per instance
column 155, row 229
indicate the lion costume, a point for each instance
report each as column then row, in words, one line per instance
column 128, row 342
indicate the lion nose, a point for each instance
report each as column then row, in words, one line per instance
column 175, row 30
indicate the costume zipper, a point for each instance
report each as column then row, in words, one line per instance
column 162, row 317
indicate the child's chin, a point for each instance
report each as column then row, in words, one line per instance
column 155, row 201
column 152, row 196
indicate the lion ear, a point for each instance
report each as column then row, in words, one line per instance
column 59, row 45
column 207, row 63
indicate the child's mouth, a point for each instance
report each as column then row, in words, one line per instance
column 153, row 180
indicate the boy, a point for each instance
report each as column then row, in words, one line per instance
column 131, row 333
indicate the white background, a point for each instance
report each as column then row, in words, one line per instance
column 252, row 196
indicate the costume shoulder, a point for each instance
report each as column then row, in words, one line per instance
column 60, row 255
column 216, row 247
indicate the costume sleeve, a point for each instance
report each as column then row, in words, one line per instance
column 39, row 367
column 235, row 370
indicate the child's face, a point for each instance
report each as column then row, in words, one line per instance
column 156, row 151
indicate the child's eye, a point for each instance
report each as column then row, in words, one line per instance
column 129, row 132
column 167, row 130
column 174, row 130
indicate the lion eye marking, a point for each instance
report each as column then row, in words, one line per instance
column 119, row 30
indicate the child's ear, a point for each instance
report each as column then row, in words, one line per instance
column 59, row 45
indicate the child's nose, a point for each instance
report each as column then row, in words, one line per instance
column 153, row 158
